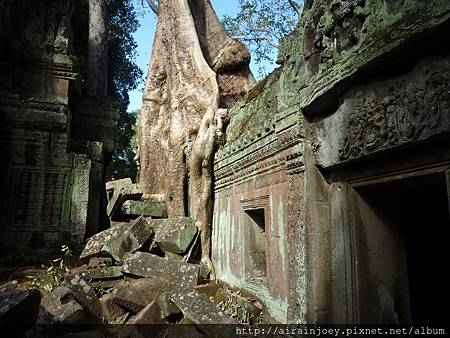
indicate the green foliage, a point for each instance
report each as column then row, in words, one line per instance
column 55, row 271
column 122, row 164
column 260, row 25
column 124, row 75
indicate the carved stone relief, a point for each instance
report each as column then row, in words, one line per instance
column 387, row 114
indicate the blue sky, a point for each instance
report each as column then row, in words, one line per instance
column 144, row 38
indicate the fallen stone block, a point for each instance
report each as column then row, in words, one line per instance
column 172, row 256
column 198, row 308
column 130, row 239
column 209, row 289
column 144, row 208
column 174, row 234
column 95, row 243
column 100, row 262
column 120, row 239
column 19, row 309
column 105, row 284
column 147, row 265
column 166, row 306
column 8, row 286
column 84, row 294
column 119, row 195
column 111, row 312
column 79, row 269
column 104, row 273
column 133, row 295
column 63, row 307
column 151, row 314
column 44, row 319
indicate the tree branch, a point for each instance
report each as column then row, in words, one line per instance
column 295, row 7
column 257, row 39
column 153, row 6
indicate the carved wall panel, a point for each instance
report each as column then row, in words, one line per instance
column 387, row 114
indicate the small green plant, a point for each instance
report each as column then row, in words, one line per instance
column 234, row 310
column 55, row 271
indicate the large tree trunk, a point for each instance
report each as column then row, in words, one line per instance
column 191, row 51
column 98, row 50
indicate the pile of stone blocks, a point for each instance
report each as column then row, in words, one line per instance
column 136, row 271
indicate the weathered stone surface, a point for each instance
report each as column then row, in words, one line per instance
column 111, row 312
column 151, row 314
column 120, row 239
column 84, row 294
column 166, row 306
column 19, row 308
column 198, row 308
column 79, row 269
column 8, row 286
column 208, row 289
column 95, row 243
column 144, row 208
column 375, row 33
column 47, row 147
column 105, row 283
column 100, row 262
column 61, row 305
column 148, row 265
column 120, row 194
column 386, row 114
column 104, row 273
column 128, row 239
column 133, row 295
column 175, row 234
column 172, row 256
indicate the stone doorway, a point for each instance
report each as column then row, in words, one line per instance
column 400, row 232
column 256, row 222
column 256, row 243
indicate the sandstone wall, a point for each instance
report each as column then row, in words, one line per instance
column 361, row 97
column 52, row 174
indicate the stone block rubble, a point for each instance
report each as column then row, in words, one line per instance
column 135, row 272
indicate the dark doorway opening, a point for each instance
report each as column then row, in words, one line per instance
column 413, row 215
column 256, row 243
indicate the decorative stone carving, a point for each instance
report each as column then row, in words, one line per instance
column 387, row 114
column 409, row 109
column 341, row 41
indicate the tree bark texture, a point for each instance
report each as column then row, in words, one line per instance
column 195, row 70
column 98, row 49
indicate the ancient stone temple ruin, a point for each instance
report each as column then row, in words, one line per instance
column 331, row 194
column 54, row 138
column 330, row 182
